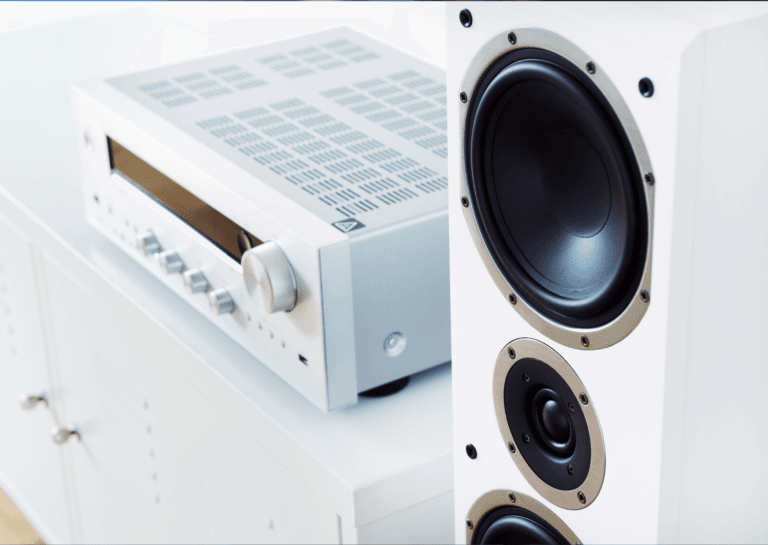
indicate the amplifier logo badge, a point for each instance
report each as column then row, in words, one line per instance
column 345, row 226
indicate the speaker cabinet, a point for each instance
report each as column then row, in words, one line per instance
column 608, row 254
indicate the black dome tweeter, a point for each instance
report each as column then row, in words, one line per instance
column 559, row 438
column 552, row 423
column 555, row 189
column 556, row 439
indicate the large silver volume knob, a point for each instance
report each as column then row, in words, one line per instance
column 269, row 278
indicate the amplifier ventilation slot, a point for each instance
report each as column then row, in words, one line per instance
column 340, row 166
column 406, row 103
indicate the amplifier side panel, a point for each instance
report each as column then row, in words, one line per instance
column 402, row 307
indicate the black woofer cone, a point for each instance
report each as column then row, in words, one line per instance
column 555, row 188
column 516, row 526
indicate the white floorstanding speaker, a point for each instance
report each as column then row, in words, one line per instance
column 608, row 235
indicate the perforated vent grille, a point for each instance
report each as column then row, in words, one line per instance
column 406, row 103
column 167, row 93
column 310, row 60
column 339, row 165
column 340, row 124
column 237, row 77
column 192, row 87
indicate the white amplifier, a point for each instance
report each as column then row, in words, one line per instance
column 294, row 193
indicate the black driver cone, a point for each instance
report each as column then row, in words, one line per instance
column 556, row 189
column 516, row 526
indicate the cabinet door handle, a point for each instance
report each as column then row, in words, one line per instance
column 62, row 435
column 29, row 402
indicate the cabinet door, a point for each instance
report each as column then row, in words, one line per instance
column 158, row 460
column 30, row 463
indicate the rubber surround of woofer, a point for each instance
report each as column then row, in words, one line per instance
column 547, row 416
column 553, row 188
column 512, row 518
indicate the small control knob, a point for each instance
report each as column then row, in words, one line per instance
column 62, row 435
column 269, row 278
column 29, row 402
column 195, row 280
column 170, row 261
column 221, row 302
column 147, row 243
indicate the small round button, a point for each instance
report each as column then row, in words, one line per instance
column 394, row 344
column 269, row 278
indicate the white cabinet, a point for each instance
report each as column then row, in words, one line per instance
column 30, row 462
column 182, row 435
column 158, row 462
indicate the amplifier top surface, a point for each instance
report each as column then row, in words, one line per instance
column 351, row 129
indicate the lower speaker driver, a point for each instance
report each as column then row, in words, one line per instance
column 549, row 424
column 512, row 518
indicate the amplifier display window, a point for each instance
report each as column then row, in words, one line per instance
column 212, row 224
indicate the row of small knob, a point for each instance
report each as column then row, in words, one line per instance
column 220, row 300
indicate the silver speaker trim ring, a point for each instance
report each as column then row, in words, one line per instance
column 500, row 498
column 567, row 499
column 616, row 330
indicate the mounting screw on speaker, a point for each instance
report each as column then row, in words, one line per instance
column 471, row 451
column 463, row 97
column 512, row 38
column 465, row 202
column 465, row 18
column 583, row 398
column 649, row 179
column 513, row 298
column 512, row 448
column 591, row 67
column 582, row 497
column 511, row 352
column 526, row 438
column 469, row 522
column 645, row 296
column 512, row 497
column 572, row 407
column 570, row 469
column 526, row 378
column 584, row 341
column 646, row 87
